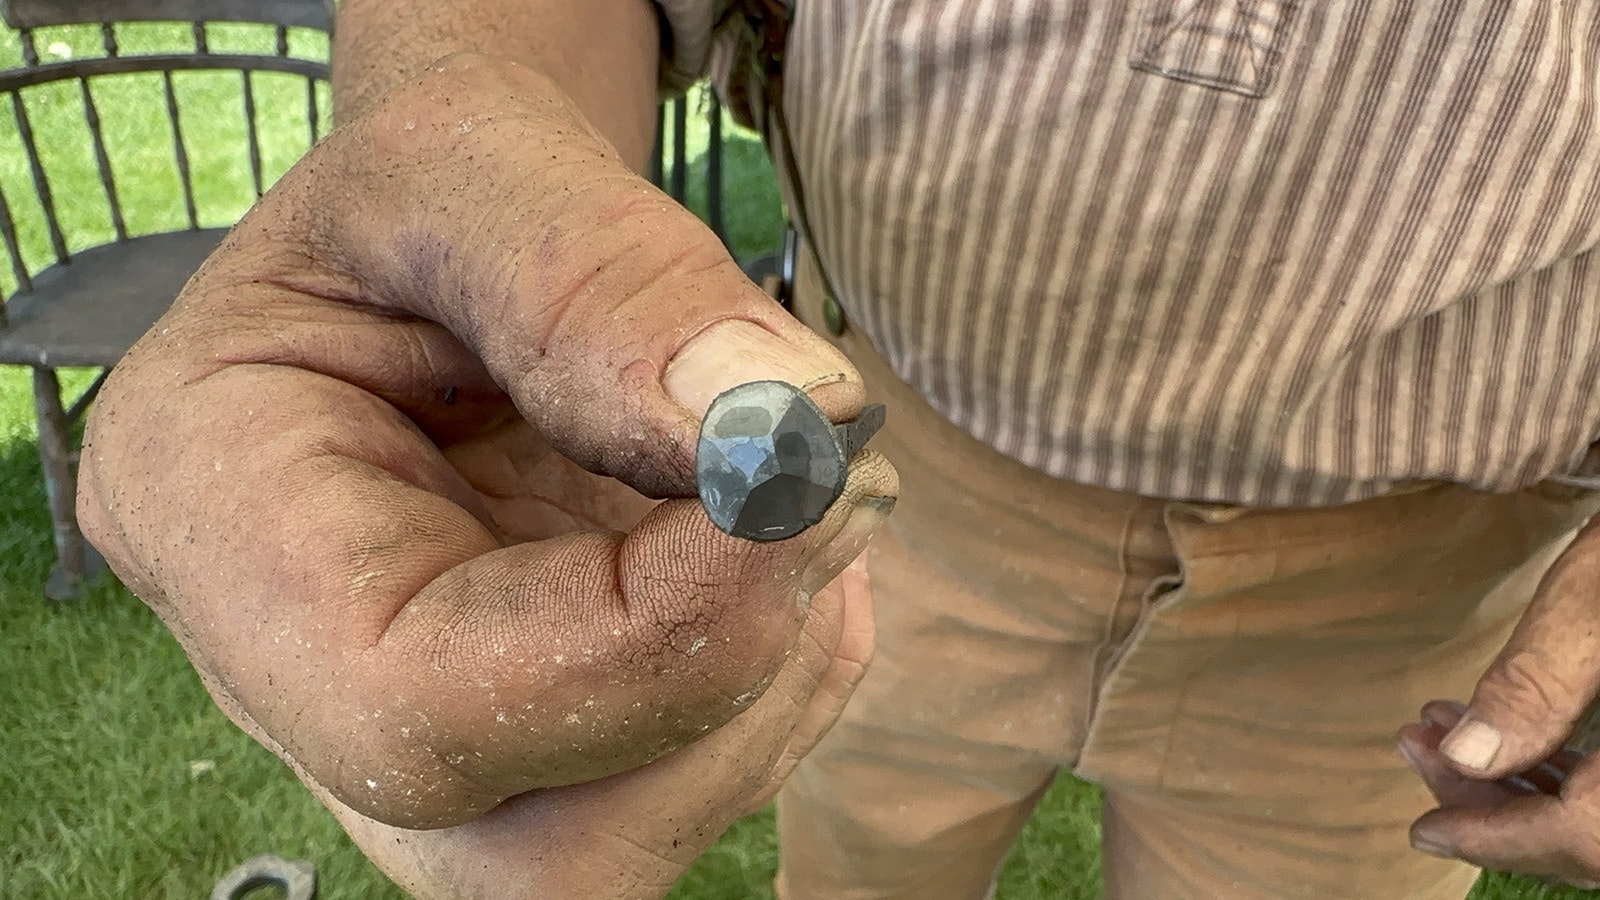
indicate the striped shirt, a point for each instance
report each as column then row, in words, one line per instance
column 1265, row 252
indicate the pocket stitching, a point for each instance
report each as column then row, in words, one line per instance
column 1261, row 60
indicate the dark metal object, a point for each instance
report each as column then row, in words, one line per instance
column 672, row 123
column 854, row 434
column 86, row 306
column 297, row 878
column 316, row 14
column 769, row 463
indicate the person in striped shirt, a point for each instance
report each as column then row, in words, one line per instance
column 1241, row 360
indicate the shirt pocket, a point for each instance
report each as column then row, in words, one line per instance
column 1229, row 45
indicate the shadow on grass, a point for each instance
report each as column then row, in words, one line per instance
column 24, row 518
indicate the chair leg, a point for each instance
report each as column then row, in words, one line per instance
column 55, row 452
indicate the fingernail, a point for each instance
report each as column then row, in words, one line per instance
column 1471, row 745
column 1432, row 846
column 868, row 516
column 1411, row 758
column 735, row 351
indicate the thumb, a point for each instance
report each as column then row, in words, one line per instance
column 1531, row 697
column 479, row 198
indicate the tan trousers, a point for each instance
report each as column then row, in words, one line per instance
column 1233, row 677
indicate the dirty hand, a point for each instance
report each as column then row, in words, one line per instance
column 377, row 471
column 631, row 835
column 1511, row 796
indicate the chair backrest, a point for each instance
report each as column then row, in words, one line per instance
column 673, row 176
column 20, row 14
column 199, row 17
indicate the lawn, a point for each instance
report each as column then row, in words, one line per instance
column 121, row 778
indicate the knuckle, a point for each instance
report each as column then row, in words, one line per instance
column 1530, row 686
column 602, row 258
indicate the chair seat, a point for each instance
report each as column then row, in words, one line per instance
column 88, row 312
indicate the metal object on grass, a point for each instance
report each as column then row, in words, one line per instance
column 769, row 463
column 297, row 878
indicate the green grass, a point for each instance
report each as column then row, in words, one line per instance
column 120, row 777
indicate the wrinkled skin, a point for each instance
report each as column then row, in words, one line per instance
column 1511, row 795
column 383, row 470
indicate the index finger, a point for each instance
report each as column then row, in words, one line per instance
column 1553, row 836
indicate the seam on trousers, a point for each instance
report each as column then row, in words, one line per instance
column 1158, row 589
column 1113, row 636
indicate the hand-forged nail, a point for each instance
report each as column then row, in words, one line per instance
column 769, row 463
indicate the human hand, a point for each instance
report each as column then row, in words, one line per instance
column 364, row 468
column 633, row 834
column 1512, row 796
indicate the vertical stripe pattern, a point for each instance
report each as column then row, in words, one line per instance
column 1252, row 251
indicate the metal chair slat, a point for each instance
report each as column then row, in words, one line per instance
column 658, row 154
column 19, row 268
column 252, row 133
column 680, row 150
column 180, row 153
column 102, row 160
column 41, row 183
column 714, row 173
column 313, row 110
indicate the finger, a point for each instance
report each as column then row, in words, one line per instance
column 609, row 314
column 1444, row 713
column 1548, row 836
column 633, row 834
column 1512, row 836
column 1528, row 701
column 612, row 652
column 850, row 661
column 1544, row 777
column 1419, row 744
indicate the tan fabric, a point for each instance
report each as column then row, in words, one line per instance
column 1254, row 251
column 686, row 41
column 1233, row 677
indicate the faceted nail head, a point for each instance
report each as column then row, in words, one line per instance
column 769, row 462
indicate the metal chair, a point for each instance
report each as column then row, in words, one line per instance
column 676, row 180
column 672, row 127
column 86, row 307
